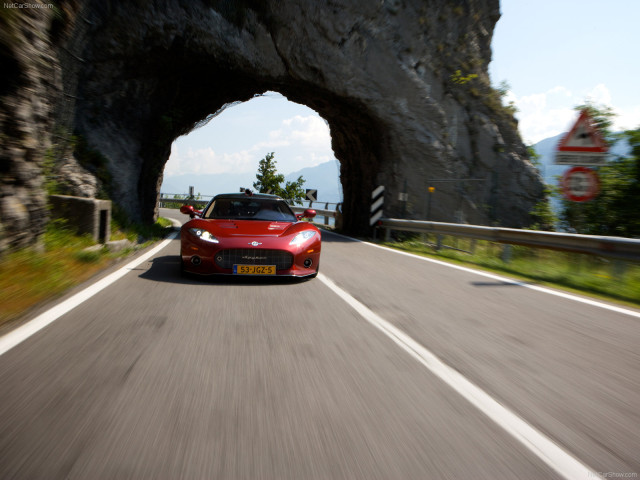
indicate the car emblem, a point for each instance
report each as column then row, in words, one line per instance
column 255, row 244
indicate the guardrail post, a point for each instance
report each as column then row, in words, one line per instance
column 576, row 261
column 438, row 242
column 618, row 269
column 473, row 246
column 387, row 234
column 506, row 253
column 338, row 222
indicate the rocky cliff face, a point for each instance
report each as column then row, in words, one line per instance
column 402, row 83
column 29, row 73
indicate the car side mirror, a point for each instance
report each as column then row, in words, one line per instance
column 308, row 213
column 189, row 210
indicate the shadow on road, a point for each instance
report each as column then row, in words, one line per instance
column 167, row 269
column 330, row 237
column 501, row 284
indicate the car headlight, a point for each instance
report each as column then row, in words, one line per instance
column 302, row 237
column 203, row 235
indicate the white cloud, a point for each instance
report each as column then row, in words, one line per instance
column 309, row 132
column 206, row 161
column 547, row 114
column 300, row 141
column 269, row 145
column 628, row 118
column 599, row 95
column 543, row 115
column 561, row 90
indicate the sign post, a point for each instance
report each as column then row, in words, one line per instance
column 431, row 190
column 582, row 147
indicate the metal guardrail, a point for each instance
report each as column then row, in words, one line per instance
column 612, row 247
column 319, row 212
column 182, row 199
column 201, row 203
column 323, row 212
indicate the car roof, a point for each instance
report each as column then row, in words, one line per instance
column 256, row 196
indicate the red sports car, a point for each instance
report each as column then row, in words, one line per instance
column 249, row 234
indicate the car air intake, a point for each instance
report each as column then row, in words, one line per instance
column 254, row 256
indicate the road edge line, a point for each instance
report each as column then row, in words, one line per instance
column 20, row 334
column 550, row 291
column 535, row 441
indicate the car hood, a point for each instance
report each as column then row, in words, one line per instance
column 247, row 228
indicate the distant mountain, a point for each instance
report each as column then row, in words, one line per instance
column 324, row 177
column 208, row 184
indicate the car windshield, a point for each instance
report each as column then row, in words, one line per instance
column 250, row 209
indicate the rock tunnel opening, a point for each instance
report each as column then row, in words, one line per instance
column 354, row 139
column 374, row 74
column 126, row 78
column 222, row 153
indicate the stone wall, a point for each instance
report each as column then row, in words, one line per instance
column 30, row 84
column 84, row 215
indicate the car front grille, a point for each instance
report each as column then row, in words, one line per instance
column 254, row 256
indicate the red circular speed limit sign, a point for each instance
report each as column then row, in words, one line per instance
column 580, row 184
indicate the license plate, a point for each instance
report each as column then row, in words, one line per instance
column 254, row 269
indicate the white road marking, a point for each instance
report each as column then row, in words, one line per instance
column 20, row 334
column 511, row 281
column 543, row 447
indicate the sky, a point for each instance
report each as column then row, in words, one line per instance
column 237, row 139
column 554, row 55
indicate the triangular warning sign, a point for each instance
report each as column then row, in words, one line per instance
column 583, row 137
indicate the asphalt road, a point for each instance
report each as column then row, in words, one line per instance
column 157, row 376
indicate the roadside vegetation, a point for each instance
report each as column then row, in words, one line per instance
column 614, row 212
column 585, row 274
column 62, row 260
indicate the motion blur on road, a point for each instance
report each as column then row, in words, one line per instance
column 157, row 376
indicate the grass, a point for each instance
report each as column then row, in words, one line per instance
column 33, row 275
column 585, row 274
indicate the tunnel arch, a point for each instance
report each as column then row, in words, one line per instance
column 355, row 139
column 374, row 72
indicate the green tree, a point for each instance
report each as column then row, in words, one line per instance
column 269, row 180
column 542, row 214
column 602, row 117
column 534, row 156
